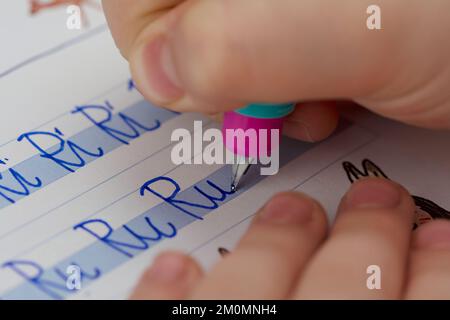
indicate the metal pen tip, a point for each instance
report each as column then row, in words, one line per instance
column 239, row 169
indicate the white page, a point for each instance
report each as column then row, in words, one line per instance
column 38, row 238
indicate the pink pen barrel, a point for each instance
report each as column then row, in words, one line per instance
column 251, row 137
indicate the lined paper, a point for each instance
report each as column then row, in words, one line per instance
column 74, row 192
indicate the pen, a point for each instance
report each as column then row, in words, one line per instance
column 256, row 117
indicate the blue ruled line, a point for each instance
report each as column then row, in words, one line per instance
column 54, row 50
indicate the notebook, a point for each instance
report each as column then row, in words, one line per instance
column 88, row 190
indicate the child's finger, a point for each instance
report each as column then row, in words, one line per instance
column 127, row 18
column 172, row 276
column 231, row 52
column 271, row 255
column 312, row 121
column 214, row 55
column 429, row 275
column 371, row 234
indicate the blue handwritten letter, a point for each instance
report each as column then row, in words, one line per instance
column 62, row 146
column 155, row 235
column 106, row 123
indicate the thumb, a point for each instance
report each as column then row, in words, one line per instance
column 213, row 55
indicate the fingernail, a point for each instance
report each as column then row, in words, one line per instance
column 285, row 209
column 168, row 267
column 298, row 130
column 306, row 131
column 160, row 72
column 373, row 193
column 434, row 235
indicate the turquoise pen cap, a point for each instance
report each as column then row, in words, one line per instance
column 267, row 110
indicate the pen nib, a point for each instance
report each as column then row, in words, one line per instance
column 240, row 168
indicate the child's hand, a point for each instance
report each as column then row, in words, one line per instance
column 286, row 253
column 214, row 55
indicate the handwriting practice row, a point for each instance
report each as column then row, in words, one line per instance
column 68, row 154
column 178, row 209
